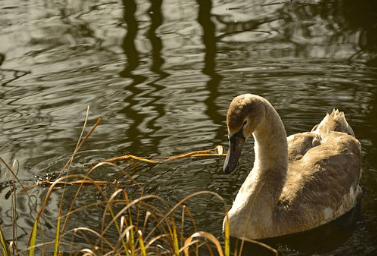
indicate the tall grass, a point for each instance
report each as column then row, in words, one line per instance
column 132, row 223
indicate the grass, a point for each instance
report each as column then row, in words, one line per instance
column 132, row 222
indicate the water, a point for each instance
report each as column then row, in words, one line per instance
column 162, row 79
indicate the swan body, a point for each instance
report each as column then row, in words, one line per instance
column 297, row 183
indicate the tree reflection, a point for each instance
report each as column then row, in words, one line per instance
column 128, row 45
column 209, row 40
column 135, row 133
column 129, row 40
column 304, row 29
column 156, row 19
column 362, row 16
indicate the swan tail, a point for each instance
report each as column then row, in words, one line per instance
column 335, row 121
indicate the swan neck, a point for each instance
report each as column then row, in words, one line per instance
column 271, row 146
column 259, row 195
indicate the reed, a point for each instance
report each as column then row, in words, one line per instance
column 132, row 223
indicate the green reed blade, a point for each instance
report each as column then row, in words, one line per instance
column 132, row 239
column 227, row 237
column 141, row 244
column 3, row 242
column 175, row 241
column 118, row 228
column 57, row 236
column 33, row 238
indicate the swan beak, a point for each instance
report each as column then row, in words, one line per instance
column 234, row 152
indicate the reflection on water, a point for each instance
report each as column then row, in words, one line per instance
column 128, row 42
column 162, row 74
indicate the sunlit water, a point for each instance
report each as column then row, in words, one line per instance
column 162, row 82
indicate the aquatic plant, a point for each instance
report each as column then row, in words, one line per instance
column 132, row 222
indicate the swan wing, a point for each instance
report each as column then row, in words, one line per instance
column 300, row 143
column 322, row 178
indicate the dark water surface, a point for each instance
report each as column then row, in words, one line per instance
column 162, row 75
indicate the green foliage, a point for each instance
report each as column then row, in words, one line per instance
column 33, row 238
column 4, row 244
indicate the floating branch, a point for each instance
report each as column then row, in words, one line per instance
column 76, row 182
column 216, row 151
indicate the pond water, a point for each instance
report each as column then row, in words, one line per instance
column 162, row 74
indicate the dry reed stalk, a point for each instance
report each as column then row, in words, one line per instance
column 199, row 153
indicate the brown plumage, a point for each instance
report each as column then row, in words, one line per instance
column 297, row 183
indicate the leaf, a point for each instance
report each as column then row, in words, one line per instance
column 141, row 243
column 3, row 242
column 227, row 236
column 33, row 238
column 57, row 236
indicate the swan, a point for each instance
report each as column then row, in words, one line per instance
column 297, row 183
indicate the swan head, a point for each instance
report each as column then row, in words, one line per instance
column 245, row 114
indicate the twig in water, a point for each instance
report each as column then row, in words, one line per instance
column 200, row 153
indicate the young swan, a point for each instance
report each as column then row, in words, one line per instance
column 297, row 183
